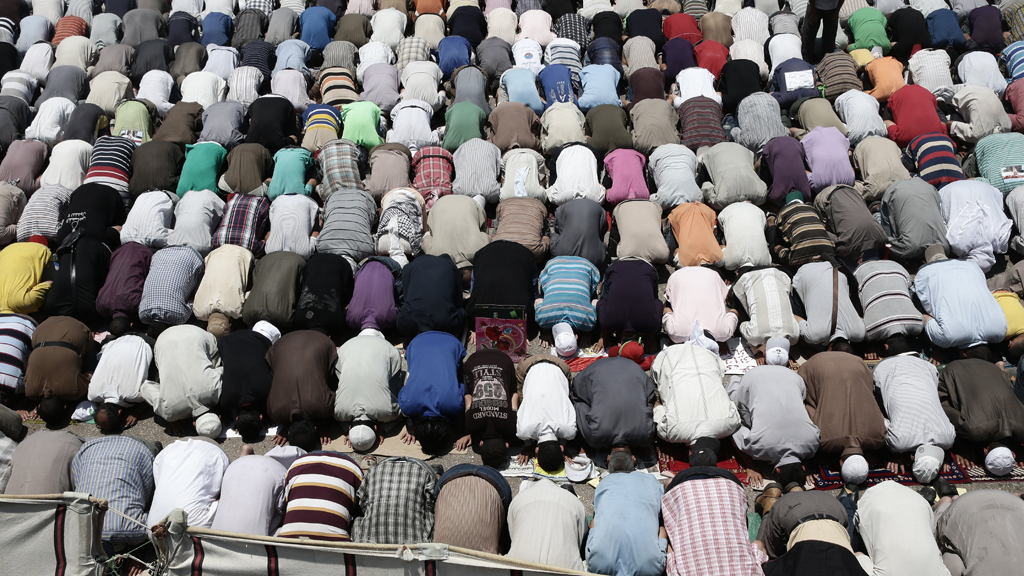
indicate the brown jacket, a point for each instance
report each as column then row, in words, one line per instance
column 841, row 403
column 302, row 365
column 55, row 363
column 978, row 398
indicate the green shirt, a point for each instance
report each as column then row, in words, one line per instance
column 203, row 163
column 464, row 122
column 868, row 27
column 361, row 121
column 290, row 166
column 133, row 116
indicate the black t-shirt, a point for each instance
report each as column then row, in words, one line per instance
column 607, row 24
column 503, row 275
column 327, row 284
column 646, row 22
column 94, row 208
column 490, row 375
column 78, row 279
column 272, row 121
column 151, row 55
column 247, row 375
column 83, row 123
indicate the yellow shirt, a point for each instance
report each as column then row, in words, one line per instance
column 1014, row 312
column 21, row 269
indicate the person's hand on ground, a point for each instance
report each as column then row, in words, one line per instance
column 407, row 438
column 963, row 462
column 755, row 479
column 29, row 414
column 522, row 459
column 463, row 443
column 325, row 440
column 280, row 440
column 129, row 421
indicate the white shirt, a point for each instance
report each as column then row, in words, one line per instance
column 244, row 83
column 410, row 121
column 123, row 367
column 930, row 68
column 156, row 87
column 981, row 69
column 292, row 218
column 694, row 82
column 859, row 111
column 69, row 161
column 528, row 54
column 38, row 60
column 421, row 80
column 204, row 88
column 150, row 220
column 694, row 402
column 188, row 475
column 576, row 170
column 896, row 526
column 389, row 27
column 193, row 7
column 51, row 116
column 926, row 7
column 190, row 373
column 222, row 6
column 783, row 47
column 745, row 242
column 750, row 24
column 976, row 227
column 546, row 413
column 221, row 60
column 375, row 52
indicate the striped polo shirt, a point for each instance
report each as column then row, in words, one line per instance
column 111, row 162
column 805, row 234
column 15, row 343
column 321, row 489
column 935, row 158
column 884, row 290
column 568, row 284
column 322, row 116
column 700, row 123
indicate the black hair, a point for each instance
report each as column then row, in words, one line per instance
column 705, row 458
column 156, row 328
column 302, row 434
column 980, row 352
column 248, row 423
column 550, row 457
column 841, row 345
column 119, row 326
column 494, row 453
column 432, row 433
column 621, row 461
column 1015, row 350
column 52, row 411
column 107, row 417
column 897, row 344
column 790, row 473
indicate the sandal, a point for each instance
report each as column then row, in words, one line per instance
column 763, row 503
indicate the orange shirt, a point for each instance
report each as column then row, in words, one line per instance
column 693, row 226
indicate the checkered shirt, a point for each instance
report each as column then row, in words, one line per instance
column 412, row 49
column 244, row 223
column 434, row 168
column 118, row 469
column 397, row 500
column 340, row 164
column 174, row 275
column 706, row 520
column 575, row 28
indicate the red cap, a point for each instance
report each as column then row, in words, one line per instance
column 39, row 240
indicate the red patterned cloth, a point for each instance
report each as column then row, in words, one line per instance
column 706, row 520
column 434, row 168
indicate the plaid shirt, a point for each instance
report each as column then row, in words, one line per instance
column 397, row 500
column 412, row 49
column 174, row 275
column 341, row 166
column 434, row 168
column 118, row 469
column 244, row 223
column 574, row 27
column 706, row 520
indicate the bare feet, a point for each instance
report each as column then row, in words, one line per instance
column 247, row 450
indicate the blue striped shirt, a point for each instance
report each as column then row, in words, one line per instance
column 15, row 342
column 118, row 469
column 1013, row 55
column 568, row 284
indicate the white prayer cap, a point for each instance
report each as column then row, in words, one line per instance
column 697, row 337
column 855, row 469
column 999, row 461
column 565, row 340
column 268, row 330
column 208, row 425
column 776, row 351
column 362, row 437
column 927, row 461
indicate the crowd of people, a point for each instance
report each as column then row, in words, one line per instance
column 253, row 214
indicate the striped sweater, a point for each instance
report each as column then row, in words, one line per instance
column 804, row 238
column 321, row 489
column 884, row 290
